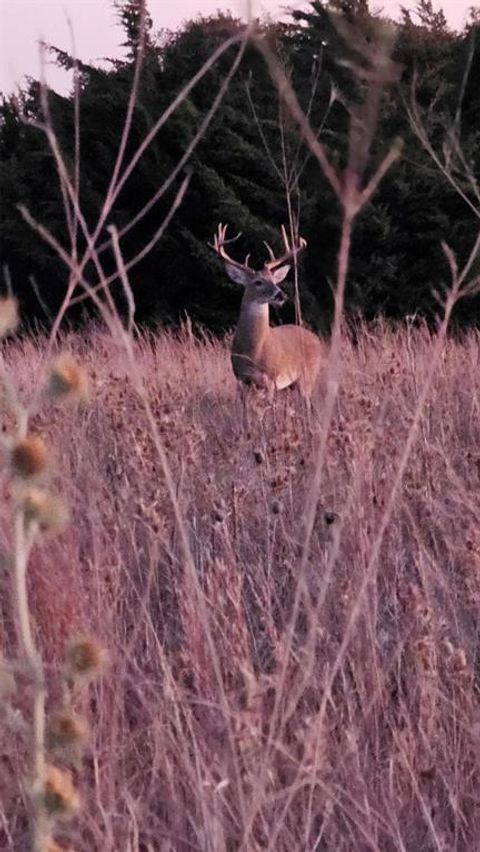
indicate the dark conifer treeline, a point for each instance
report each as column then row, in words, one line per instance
column 236, row 170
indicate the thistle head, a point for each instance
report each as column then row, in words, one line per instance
column 67, row 732
column 58, row 795
column 42, row 508
column 67, row 379
column 85, row 658
column 29, row 457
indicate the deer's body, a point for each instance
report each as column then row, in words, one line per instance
column 271, row 358
column 274, row 358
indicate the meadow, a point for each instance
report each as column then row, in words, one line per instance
column 290, row 605
column 231, row 623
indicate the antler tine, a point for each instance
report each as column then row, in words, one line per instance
column 219, row 239
column 270, row 250
column 219, row 243
column 290, row 251
column 222, row 231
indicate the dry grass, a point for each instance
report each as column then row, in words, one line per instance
column 217, row 725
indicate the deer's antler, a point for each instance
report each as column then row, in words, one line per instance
column 219, row 243
column 290, row 251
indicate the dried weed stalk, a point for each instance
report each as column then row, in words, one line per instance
column 38, row 512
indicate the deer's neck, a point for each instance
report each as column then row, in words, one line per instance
column 252, row 328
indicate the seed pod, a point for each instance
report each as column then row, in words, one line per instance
column 29, row 457
column 67, row 379
column 58, row 794
column 85, row 658
column 67, row 732
column 47, row 510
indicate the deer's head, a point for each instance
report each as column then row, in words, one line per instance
column 262, row 285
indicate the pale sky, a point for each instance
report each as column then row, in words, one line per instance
column 97, row 34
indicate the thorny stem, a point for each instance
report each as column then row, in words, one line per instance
column 23, row 543
column 21, row 559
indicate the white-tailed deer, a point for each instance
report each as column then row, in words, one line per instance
column 271, row 358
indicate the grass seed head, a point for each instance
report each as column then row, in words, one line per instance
column 67, row 379
column 9, row 317
column 29, row 457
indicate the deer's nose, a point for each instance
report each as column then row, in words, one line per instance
column 279, row 297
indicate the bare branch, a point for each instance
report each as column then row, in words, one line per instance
column 288, row 95
column 394, row 153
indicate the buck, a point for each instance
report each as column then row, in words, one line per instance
column 262, row 356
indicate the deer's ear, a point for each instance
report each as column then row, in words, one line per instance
column 279, row 274
column 240, row 276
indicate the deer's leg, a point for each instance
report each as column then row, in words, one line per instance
column 242, row 393
column 309, row 387
column 256, row 394
column 263, row 383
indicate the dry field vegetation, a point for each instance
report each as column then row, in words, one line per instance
column 262, row 694
column 289, row 597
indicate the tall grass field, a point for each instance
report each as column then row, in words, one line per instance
column 268, row 687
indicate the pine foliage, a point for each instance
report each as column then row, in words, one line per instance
column 397, row 261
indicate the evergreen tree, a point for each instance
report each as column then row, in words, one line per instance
column 237, row 169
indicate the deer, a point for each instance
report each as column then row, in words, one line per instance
column 266, row 357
